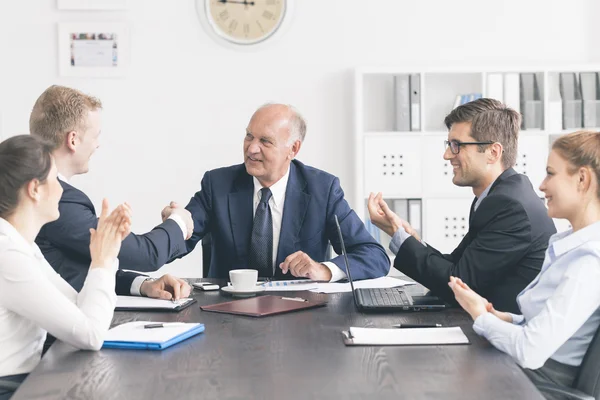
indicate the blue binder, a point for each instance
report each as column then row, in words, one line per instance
column 141, row 345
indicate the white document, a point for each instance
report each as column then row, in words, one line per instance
column 135, row 332
column 406, row 336
column 145, row 302
column 383, row 282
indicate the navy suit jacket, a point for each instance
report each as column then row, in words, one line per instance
column 65, row 243
column 224, row 208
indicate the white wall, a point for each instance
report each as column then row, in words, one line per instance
column 186, row 101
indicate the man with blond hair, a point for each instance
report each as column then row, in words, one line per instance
column 70, row 120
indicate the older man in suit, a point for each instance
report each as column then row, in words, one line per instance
column 275, row 214
column 509, row 227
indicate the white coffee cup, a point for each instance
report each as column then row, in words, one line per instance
column 243, row 279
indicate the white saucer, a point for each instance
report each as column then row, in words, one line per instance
column 231, row 290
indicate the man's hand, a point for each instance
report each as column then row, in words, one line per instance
column 175, row 209
column 301, row 265
column 472, row 303
column 385, row 219
column 167, row 287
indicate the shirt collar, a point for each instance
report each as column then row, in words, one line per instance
column 483, row 195
column 8, row 230
column 62, row 178
column 277, row 189
column 566, row 241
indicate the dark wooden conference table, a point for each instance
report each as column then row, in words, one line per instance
column 298, row 355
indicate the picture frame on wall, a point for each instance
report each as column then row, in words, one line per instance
column 94, row 49
column 106, row 5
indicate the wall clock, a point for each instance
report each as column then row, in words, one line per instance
column 244, row 23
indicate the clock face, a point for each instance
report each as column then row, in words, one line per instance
column 245, row 21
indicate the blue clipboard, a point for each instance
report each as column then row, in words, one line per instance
column 153, row 345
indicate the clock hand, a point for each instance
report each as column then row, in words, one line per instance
column 245, row 2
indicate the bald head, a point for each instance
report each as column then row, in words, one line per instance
column 283, row 116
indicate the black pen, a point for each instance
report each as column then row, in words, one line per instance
column 163, row 325
column 417, row 326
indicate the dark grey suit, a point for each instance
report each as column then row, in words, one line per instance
column 500, row 255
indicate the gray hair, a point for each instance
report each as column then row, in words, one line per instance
column 296, row 121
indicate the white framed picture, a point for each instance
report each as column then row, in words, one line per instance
column 92, row 4
column 94, row 49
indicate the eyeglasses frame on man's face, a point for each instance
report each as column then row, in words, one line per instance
column 451, row 143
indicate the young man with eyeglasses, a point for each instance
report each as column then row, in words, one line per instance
column 509, row 227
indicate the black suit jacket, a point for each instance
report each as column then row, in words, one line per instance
column 224, row 208
column 500, row 255
column 65, row 243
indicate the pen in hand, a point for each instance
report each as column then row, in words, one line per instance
column 417, row 326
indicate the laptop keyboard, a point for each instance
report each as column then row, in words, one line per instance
column 384, row 297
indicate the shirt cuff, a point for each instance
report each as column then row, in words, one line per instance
column 517, row 319
column 398, row 239
column 336, row 272
column 136, row 285
column 181, row 224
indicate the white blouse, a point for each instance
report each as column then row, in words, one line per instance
column 560, row 307
column 34, row 300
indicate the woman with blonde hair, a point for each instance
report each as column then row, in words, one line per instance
column 34, row 299
column 560, row 308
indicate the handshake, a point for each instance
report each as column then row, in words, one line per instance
column 181, row 215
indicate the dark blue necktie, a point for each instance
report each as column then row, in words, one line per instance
column 261, row 242
column 472, row 212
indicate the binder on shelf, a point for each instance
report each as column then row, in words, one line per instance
column 554, row 110
column 402, row 100
column 495, row 87
column 571, row 101
column 512, row 91
column 465, row 98
column 415, row 102
column 414, row 215
column 531, row 102
column 590, row 89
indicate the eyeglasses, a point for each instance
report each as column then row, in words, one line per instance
column 455, row 145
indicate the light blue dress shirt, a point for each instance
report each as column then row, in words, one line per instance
column 401, row 235
column 561, row 307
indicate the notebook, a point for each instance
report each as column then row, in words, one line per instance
column 405, row 336
column 133, row 335
column 136, row 303
column 263, row 305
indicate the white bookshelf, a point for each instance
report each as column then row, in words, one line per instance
column 409, row 165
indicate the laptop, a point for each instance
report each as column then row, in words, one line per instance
column 387, row 299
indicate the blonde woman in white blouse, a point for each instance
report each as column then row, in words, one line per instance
column 560, row 309
column 34, row 299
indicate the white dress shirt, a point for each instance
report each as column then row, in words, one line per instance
column 136, row 284
column 276, row 203
column 561, row 307
column 34, row 300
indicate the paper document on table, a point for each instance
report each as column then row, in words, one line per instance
column 383, row 282
column 145, row 303
column 289, row 285
column 404, row 336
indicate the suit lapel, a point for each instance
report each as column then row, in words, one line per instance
column 294, row 213
column 241, row 212
column 504, row 175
